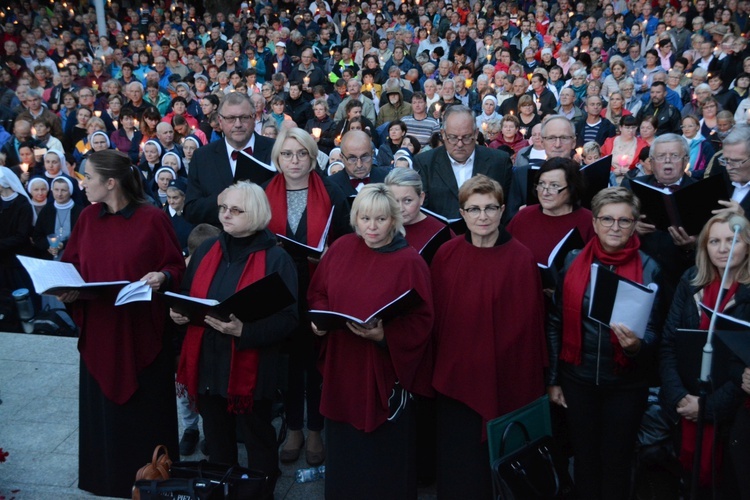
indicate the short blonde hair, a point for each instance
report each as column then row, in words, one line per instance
column 255, row 203
column 299, row 135
column 377, row 199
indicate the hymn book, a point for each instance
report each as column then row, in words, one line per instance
column 333, row 320
column 51, row 277
column 257, row 300
column 296, row 248
column 556, row 260
column 596, row 176
column 254, row 170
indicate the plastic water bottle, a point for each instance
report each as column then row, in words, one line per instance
column 310, row 474
column 25, row 309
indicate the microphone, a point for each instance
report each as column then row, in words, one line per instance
column 737, row 222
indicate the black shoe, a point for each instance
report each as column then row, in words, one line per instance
column 189, row 441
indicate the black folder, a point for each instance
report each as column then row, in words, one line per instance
column 689, row 207
column 532, row 197
column 332, row 320
column 258, row 300
column 596, row 177
column 251, row 169
column 297, row 249
column 738, row 342
column 689, row 353
column 430, row 248
column 555, row 262
column 458, row 226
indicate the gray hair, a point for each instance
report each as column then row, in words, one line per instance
column 550, row 118
column 405, row 177
column 459, row 109
column 669, row 138
column 237, row 98
column 740, row 134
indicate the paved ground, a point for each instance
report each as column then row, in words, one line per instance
column 39, row 424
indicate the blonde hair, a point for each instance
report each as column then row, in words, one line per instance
column 376, row 199
column 707, row 272
column 255, row 203
column 299, row 135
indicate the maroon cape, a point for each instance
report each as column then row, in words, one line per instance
column 419, row 233
column 358, row 374
column 489, row 329
column 116, row 343
column 540, row 233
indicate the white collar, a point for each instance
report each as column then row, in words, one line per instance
column 456, row 163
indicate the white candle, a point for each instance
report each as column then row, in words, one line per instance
column 316, row 132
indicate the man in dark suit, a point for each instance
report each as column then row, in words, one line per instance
column 214, row 166
column 444, row 169
column 734, row 164
column 674, row 249
column 357, row 155
column 558, row 138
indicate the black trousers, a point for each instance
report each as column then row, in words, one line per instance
column 463, row 460
column 603, row 424
column 304, row 383
column 219, row 427
column 739, row 450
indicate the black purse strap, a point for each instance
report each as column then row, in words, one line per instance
column 506, row 432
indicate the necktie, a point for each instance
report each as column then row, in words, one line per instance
column 672, row 187
column 247, row 150
column 356, row 182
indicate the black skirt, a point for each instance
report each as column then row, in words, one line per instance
column 372, row 465
column 117, row 440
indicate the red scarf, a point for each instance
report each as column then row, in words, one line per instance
column 243, row 371
column 318, row 207
column 710, row 294
column 627, row 264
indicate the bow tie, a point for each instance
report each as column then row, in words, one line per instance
column 672, row 187
column 356, row 182
column 247, row 150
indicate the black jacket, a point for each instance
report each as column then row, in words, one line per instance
column 606, row 130
column 265, row 334
column 723, row 402
column 668, row 117
column 597, row 360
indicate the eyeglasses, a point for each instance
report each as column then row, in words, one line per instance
column 550, row 188
column 561, row 138
column 353, row 160
column 727, row 162
column 233, row 119
column 234, row 211
column 85, row 95
column 673, row 158
column 301, row 155
column 490, row 211
column 454, row 139
column 622, row 222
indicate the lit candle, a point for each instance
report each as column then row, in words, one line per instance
column 115, row 123
column 469, row 81
column 489, row 56
column 24, row 167
column 624, row 160
column 579, row 151
column 437, row 107
column 523, row 131
column 529, row 75
column 275, row 66
column 135, row 123
column 306, row 81
column 52, row 241
column 316, row 132
column 689, row 75
column 253, row 63
column 484, row 127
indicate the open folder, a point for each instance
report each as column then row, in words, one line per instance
column 458, row 226
column 689, row 207
column 254, row 170
column 596, row 177
column 257, row 300
column 430, row 248
column 571, row 241
column 615, row 299
column 300, row 249
column 333, row 320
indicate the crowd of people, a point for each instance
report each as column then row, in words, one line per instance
column 122, row 153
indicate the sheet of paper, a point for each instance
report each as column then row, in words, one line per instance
column 47, row 274
column 633, row 307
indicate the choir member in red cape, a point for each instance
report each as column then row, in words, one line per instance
column 599, row 374
column 301, row 202
column 489, row 337
column 127, row 404
column 406, row 186
column 368, row 373
column 701, row 284
column 230, row 368
column 541, row 227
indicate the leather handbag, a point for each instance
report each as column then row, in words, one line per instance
column 157, row 469
column 182, row 489
column 238, row 483
column 536, row 471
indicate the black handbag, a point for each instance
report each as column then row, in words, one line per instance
column 535, row 471
column 182, row 489
column 237, row 483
